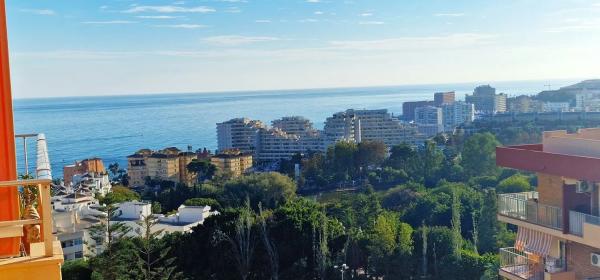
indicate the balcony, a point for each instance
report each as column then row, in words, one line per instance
column 40, row 255
column 524, row 207
column 518, row 265
column 585, row 226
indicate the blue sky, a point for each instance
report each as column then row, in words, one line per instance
column 92, row 47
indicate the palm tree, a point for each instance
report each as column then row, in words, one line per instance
column 114, row 168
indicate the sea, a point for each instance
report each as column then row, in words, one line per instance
column 113, row 127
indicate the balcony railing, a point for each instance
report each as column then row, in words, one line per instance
column 520, row 264
column 35, row 224
column 42, row 187
column 42, row 170
column 576, row 221
column 524, row 206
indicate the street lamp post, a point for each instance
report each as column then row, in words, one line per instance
column 342, row 268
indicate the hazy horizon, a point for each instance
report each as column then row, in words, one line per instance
column 542, row 82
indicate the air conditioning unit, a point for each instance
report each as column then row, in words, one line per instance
column 595, row 259
column 583, row 187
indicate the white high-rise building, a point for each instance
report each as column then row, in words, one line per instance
column 369, row 125
column 340, row 127
column 289, row 136
column 296, row 135
column 310, row 138
column 429, row 120
column 296, row 125
column 241, row 133
column 457, row 113
column 276, row 144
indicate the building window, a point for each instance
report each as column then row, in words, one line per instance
column 79, row 255
column 67, row 243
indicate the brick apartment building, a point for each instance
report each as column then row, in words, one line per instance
column 169, row 164
column 559, row 225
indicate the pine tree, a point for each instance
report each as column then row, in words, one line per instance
column 475, row 233
column 424, row 233
column 321, row 248
column 152, row 259
column 456, row 228
column 488, row 224
column 107, row 234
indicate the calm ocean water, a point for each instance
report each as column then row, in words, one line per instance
column 116, row 126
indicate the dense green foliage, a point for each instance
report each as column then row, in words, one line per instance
column 270, row 189
column 202, row 201
column 525, row 132
column 202, row 168
column 426, row 212
column 479, row 155
column 119, row 194
column 514, row 184
column 75, row 270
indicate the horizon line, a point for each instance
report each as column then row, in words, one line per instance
column 292, row 89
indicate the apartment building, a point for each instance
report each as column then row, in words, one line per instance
column 429, row 120
column 287, row 137
column 73, row 230
column 233, row 162
column 136, row 167
column 457, row 113
column 295, row 125
column 370, row 125
column 444, row 98
column 342, row 126
column 556, row 107
column 408, row 108
column 500, row 103
column 277, row 144
column 240, row 133
column 292, row 135
column 86, row 166
column 169, row 164
column 588, row 100
column 523, row 104
column 486, row 100
column 310, row 137
column 559, row 224
column 164, row 165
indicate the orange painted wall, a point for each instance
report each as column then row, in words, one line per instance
column 9, row 208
